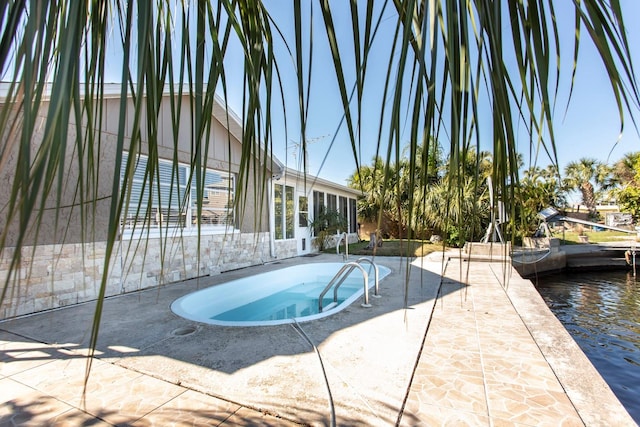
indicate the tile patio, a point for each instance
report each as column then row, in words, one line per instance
column 474, row 348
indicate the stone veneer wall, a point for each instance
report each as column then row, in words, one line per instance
column 286, row 248
column 289, row 248
column 52, row 276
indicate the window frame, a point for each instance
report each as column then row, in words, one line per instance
column 284, row 218
column 303, row 211
column 318, row 207
column 353, row 215
column 146, row 226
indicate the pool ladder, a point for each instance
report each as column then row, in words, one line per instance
column 344, row 272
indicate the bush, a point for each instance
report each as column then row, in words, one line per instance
column 327, row 224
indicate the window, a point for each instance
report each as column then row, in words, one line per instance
column 318, row 205
column 160, row 197
column 216, row 207
column 353, row 216
column 332, row 203
column 283, row 211
column 289, row 206
column 278, row 209
column 343, row 209
column 303, row 211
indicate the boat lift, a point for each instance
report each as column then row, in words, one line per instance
column 552, row 215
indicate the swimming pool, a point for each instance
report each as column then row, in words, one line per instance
column 276, row 297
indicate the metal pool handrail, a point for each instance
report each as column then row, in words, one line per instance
column 348, row 266
column 347, row 269
column 344, row 237
column 377, row 275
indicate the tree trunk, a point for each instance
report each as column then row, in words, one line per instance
column 589, row 198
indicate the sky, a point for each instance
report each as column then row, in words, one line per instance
column 590, row 127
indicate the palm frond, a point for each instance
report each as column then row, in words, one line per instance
column 461, row 74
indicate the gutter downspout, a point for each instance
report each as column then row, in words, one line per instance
column 276, row 175
column 272, row 222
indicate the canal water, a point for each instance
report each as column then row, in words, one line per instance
column 601, row 310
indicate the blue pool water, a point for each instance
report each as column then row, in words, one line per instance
column 298, row 301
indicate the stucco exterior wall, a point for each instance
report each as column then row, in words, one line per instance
column 60, row 222
column 223, row 153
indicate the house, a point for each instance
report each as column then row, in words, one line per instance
column 163, row 234
column 297, row 199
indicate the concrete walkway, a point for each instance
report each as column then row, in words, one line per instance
column 477, row 346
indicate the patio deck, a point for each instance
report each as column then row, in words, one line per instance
column 476, row 346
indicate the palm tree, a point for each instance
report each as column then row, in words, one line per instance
column 384, row 194
column 462, row 216
column 624, row 170
column 627, row 192
column 419, row 172
column 538, row 189
column 370, row 180
column 587, row 176
column 394, row 195
column 443, row 59
column 325, row 226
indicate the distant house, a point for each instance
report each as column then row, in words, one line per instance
column 158, row 238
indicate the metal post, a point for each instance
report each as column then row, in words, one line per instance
column 633, row 257
column 343, row 237
column 346, row 246
column 377, row 275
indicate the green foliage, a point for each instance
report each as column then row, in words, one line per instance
column 454, row 237
column 628, row 174
column 590, row 177
column 370, row 180
column 325, row 226
column 629, row 201
column 428, row 200
column 573, row 237
column 538, row 189
column 459, row 212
